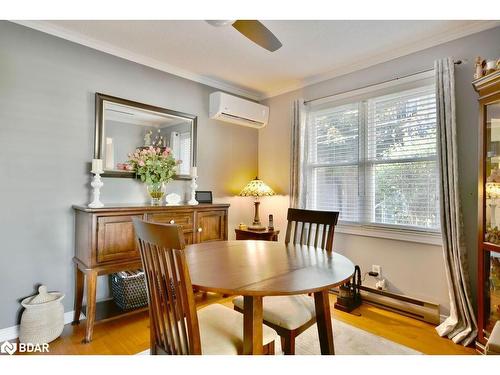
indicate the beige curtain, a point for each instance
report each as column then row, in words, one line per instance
column 297, row 149
column 461, row 325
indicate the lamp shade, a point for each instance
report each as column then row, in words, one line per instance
column 256, row 188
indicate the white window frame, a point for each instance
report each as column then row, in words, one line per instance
column 388, row 231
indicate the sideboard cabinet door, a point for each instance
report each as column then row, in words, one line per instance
column 116, row 238
column 211, row 225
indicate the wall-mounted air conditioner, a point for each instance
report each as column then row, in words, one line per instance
column 229, row 108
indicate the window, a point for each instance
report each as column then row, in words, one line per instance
column 374, row 160
column 185, row 153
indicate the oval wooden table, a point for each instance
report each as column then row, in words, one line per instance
column 255, row 269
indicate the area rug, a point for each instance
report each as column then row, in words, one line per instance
column 349, row 340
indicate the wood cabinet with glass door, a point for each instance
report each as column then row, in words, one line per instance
column 488, row 283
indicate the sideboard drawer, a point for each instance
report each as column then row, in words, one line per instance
column 116, row 238
column 184, row 219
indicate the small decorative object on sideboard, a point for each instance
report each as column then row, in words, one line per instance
column 155, row 168
column 43, row 319
column 96, row 184
column 173, row 199
column 271, row 223
column 204, row 197
column 194, row 176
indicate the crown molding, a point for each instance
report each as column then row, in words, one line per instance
column 446, row 36
column 375, row 59
column 49, row 28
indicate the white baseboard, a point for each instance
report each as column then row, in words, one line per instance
column 11, row 333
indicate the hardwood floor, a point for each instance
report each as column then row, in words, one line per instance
column 130, row 335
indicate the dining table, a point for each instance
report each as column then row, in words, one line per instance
column 257, row 269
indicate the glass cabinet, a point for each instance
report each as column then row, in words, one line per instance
column 488, row 293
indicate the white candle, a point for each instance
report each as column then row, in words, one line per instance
column 96, row 166
column 194, row 172
column 110, row 154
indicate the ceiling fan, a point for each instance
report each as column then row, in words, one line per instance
column 253, row 30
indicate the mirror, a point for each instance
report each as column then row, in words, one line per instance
column 122, row 126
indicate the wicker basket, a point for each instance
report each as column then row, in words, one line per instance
column 129, row 289
column 43, row 319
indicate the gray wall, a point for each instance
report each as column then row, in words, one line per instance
column 411, row 268
column 47, row 88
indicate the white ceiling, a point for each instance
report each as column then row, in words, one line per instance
column 221, row 57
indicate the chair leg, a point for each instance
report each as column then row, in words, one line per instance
column 269, row 349
column 153, row 350
column 288, row 343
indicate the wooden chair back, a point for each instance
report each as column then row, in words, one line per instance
column 311, row 228
column 172, row 310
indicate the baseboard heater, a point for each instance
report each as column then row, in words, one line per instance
column 412, row 307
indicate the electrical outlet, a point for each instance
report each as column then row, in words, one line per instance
column 376, row 268
column 380, row 285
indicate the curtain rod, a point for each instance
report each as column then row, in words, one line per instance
column 458, row 62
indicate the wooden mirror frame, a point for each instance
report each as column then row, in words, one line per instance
column 99, row 104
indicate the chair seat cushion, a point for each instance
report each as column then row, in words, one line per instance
column 289, row 312
column 221, row 330
column 493, row 345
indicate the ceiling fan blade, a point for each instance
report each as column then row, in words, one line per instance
column 258, row 33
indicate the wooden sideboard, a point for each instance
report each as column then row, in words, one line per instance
column 105, row 242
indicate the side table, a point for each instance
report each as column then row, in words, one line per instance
column 263, row 235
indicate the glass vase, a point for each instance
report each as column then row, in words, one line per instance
column 156, row 192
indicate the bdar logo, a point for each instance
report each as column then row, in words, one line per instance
column 8, row 348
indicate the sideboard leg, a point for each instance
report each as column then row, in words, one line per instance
column 91, row 301
column 79, row 283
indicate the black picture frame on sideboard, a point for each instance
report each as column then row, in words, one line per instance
column 203, row 196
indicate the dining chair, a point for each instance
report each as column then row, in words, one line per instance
column 292, row 315
column 175, row 325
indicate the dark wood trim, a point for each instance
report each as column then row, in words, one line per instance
column 488, row 246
